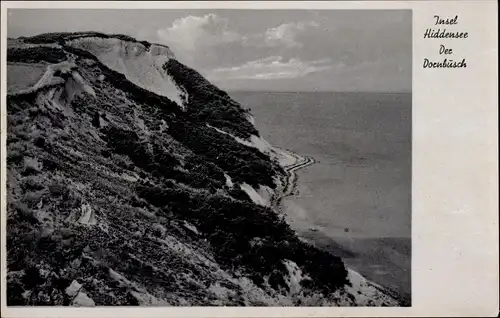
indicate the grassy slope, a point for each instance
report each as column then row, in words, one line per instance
column 108, row 155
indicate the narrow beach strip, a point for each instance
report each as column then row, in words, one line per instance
column 291, row 180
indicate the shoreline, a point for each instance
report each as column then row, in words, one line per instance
column 289, row 188
column 289, row 181
column 300, row 163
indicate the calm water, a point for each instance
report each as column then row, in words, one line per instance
column 358, row 196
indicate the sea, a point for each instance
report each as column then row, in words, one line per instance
column 355, row 201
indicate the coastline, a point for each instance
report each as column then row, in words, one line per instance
column 290, row 182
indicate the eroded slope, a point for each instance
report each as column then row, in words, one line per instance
column 118, row 195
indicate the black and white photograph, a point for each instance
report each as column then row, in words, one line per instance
column 209, row 157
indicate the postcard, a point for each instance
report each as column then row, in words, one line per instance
column 249, row 159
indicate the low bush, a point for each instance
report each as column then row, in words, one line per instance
column 36, row 54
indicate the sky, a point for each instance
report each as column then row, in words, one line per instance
column 272, row 50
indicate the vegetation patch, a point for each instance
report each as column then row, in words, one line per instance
column 231, row 225
column 36, row 54
column 208, row 104
column 242, row 163
column 61, row 37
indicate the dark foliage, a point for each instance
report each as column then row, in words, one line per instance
column 161, row 163
column 208, row 169
column 230, row 225
column 60, row 37
column 96, row 120
column 127, row 142
column 162, row 105
column 46, row 38
column 239, row 194
column 208, row 104
column 36, row 54
column 19, row 103
column 243, row 163
column 79, row 52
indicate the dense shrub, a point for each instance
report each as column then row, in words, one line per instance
column 231, row 224
column 128, row 143
column 209, row 169
column 159, row 162
column 327, row 270
column 60, row 37
column 242, row 163
column 239, row 194
column 79, row 52
column 207, row 103
column 162, row 105
column 20, row 102
column 46, row 38
column 36, row 54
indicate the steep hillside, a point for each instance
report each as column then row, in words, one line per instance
column 134, row 181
